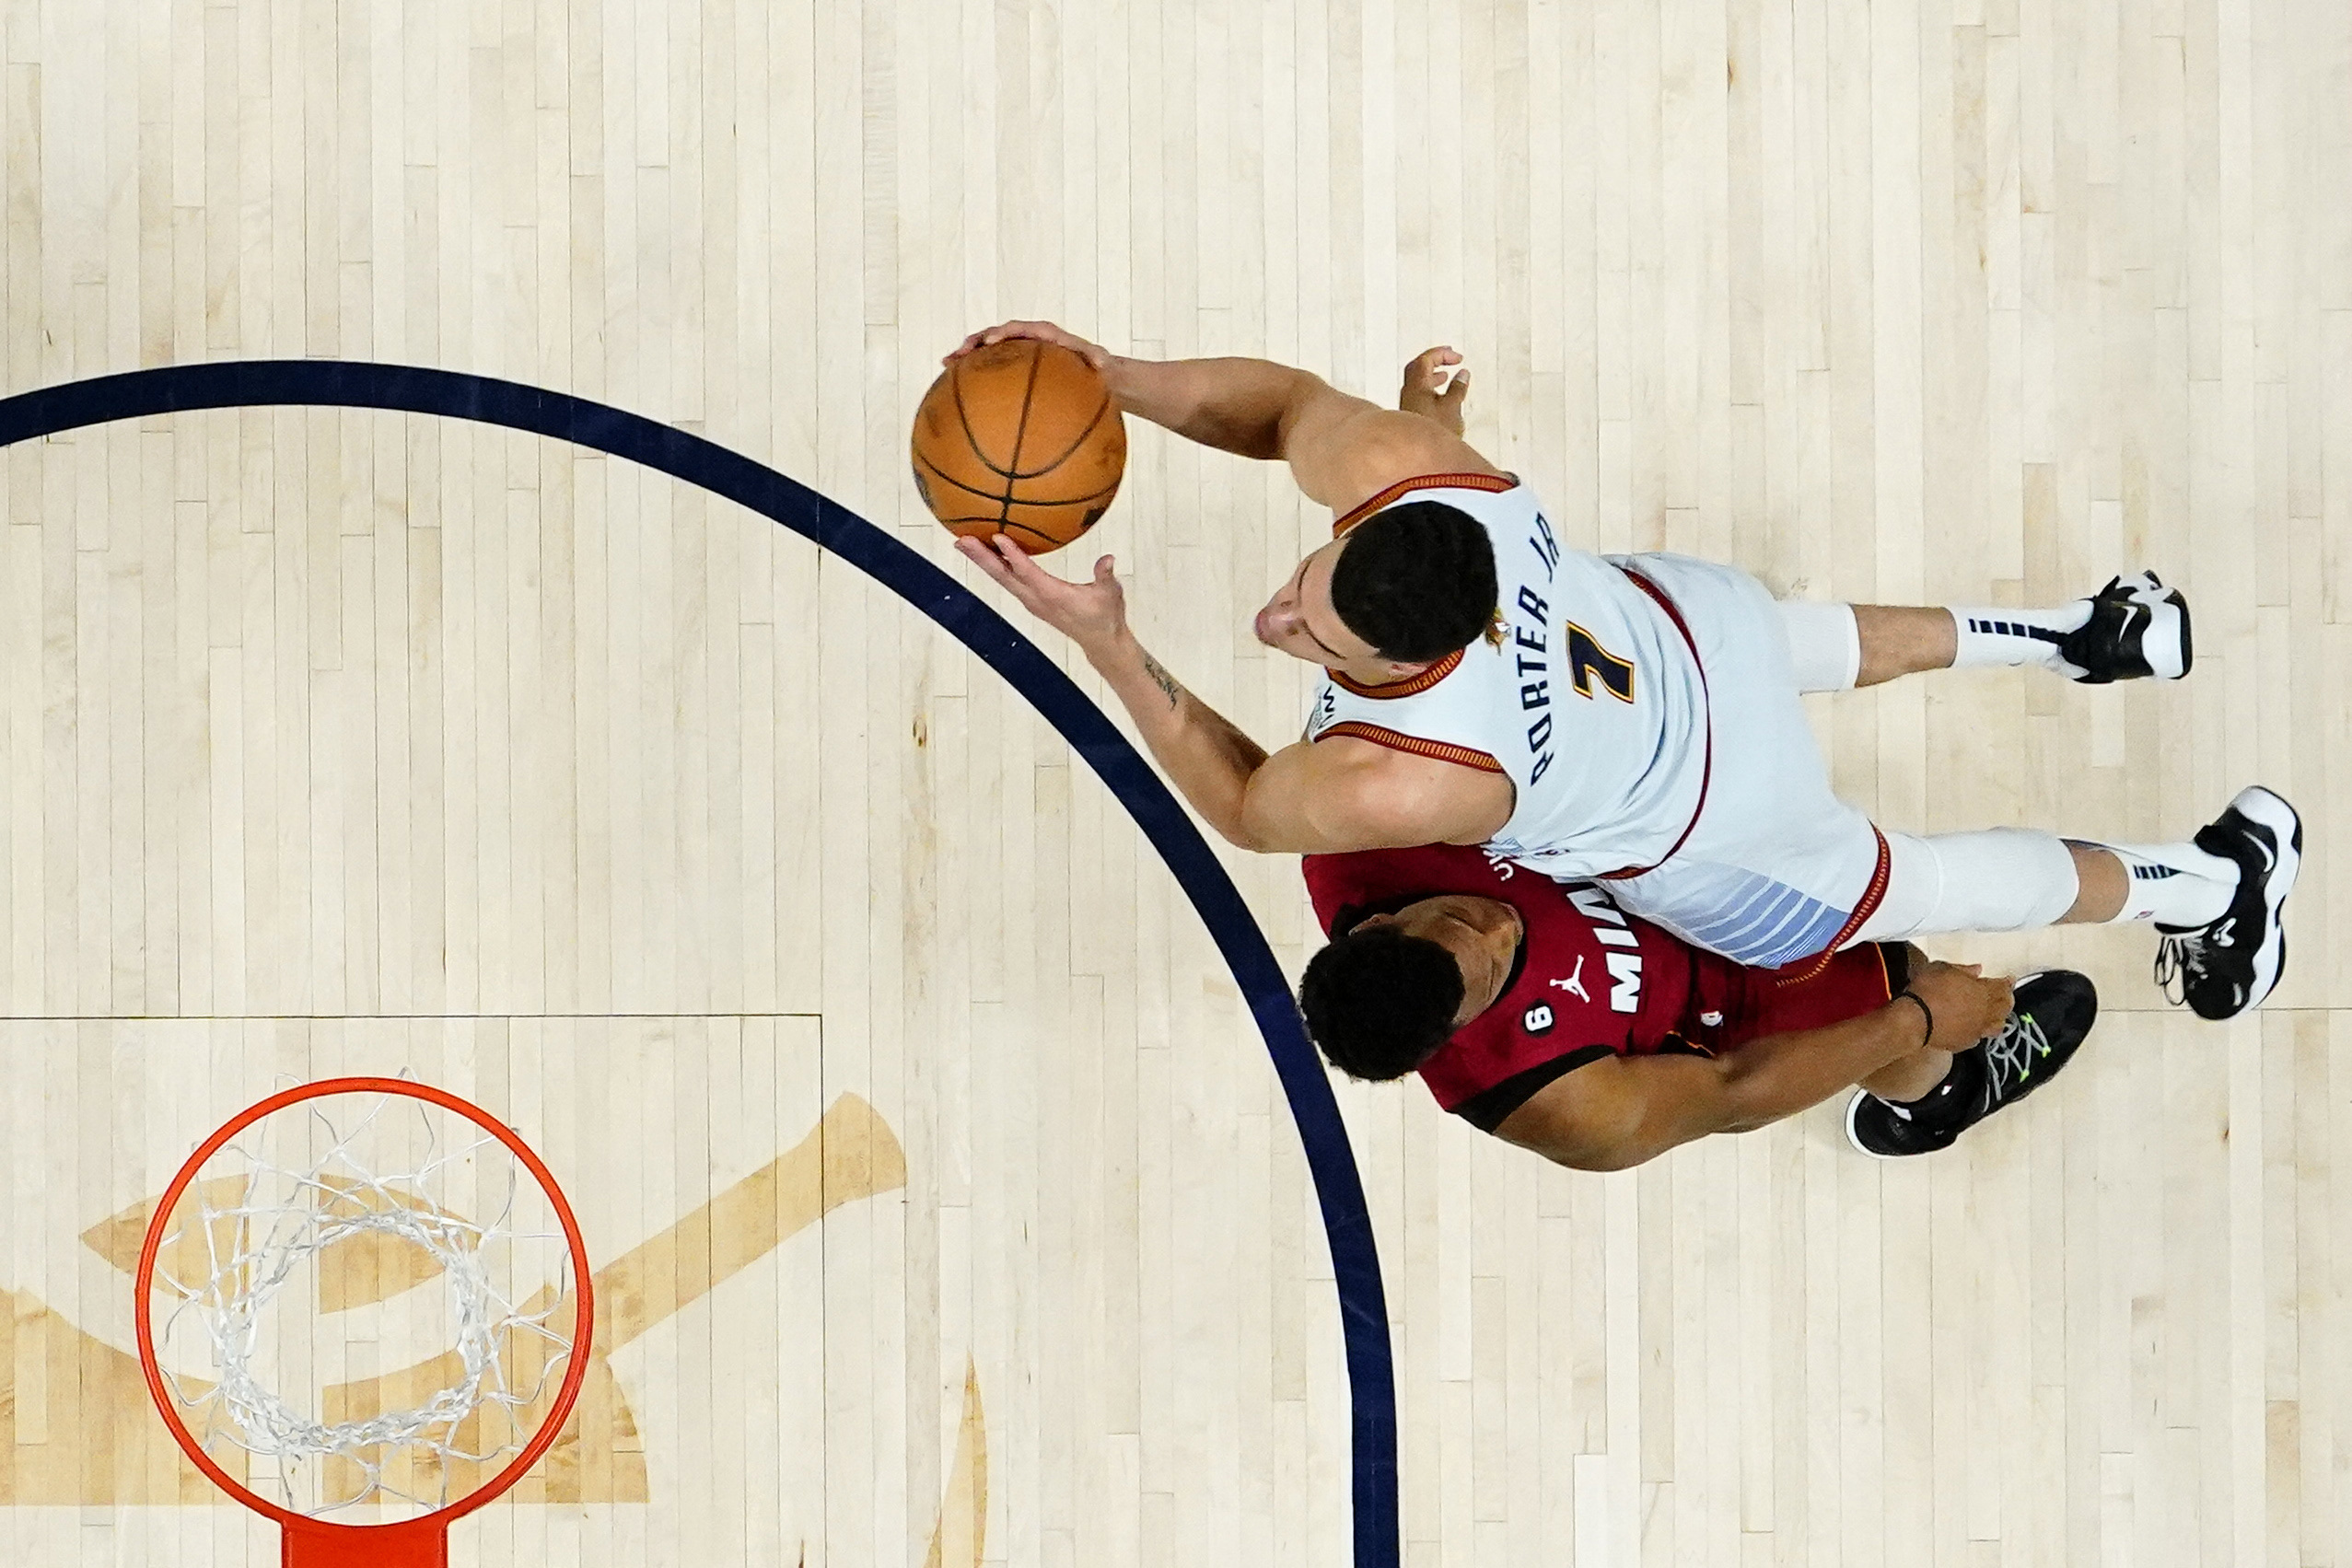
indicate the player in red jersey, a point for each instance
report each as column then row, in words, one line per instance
column 1543, row 1013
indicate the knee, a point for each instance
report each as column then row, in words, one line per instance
column 1996, row 879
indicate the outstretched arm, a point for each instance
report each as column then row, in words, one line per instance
column 1341, row 451
column 1620, row 1112
column 1342, row 795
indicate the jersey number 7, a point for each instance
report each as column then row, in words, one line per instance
column 1590, row 662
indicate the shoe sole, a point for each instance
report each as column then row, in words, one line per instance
column 1853, row 1108
column 2265, row 806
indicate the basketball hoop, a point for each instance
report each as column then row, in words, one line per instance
column 346, row 1198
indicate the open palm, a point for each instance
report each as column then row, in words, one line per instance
column 1091, row 614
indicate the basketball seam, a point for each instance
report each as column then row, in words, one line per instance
column 1079, row 440
column 933, row 469
column 963, row 421
column 1003, row 520
column 1020, row 431
column 927, row 466
column 1069, row 500
column 968, row 489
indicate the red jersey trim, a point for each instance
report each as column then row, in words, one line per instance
column 1439, row 749
column 1493, row 484
column 1409, row 686
column 1872, row 896
column 1706, row 705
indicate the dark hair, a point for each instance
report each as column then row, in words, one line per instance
column 1416, row 581
column 1380, row 1002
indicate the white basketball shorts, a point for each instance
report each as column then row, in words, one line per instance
column 1777, row 868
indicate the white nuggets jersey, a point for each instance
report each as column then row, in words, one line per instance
column 1588, row 697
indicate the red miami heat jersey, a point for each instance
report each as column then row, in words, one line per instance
column 1588, row 974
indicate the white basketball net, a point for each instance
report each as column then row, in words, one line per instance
column 312, row 1206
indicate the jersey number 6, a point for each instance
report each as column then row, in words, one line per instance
column 1590, row 662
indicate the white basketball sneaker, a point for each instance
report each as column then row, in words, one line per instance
column 2230, row 963
column 2137, row 628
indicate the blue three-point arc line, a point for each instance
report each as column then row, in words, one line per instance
column 327, row 383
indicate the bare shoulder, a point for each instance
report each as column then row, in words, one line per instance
column 1345, row 450
column 1390, row 446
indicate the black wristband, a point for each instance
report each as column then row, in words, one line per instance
column 1908, row 994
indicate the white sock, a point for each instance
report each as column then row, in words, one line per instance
column 1824, row 645
column 2176, row 884
column 2006, row 638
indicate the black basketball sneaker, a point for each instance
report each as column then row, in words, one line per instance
column 2226, row 966
column 2053, row 1013
column 2137, row 628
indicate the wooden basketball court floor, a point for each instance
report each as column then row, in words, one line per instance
column 947, row 1206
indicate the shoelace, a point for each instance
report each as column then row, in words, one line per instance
column 2011, row 1053
column 2182, row 961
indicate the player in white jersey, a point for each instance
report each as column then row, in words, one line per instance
column 1585, row 694
column 1635, row 718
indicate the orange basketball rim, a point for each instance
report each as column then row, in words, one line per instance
column 421, row 1541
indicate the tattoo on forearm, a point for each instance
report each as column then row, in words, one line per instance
column 1164, row 680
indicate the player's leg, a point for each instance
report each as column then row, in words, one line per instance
column 2022, row 878
column 1777, row 868
column 1926, row 1099
column 2133, row 628
column 1911, row 1077
column 2216, row 900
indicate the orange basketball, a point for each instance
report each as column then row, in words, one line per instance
column 1020, row 438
